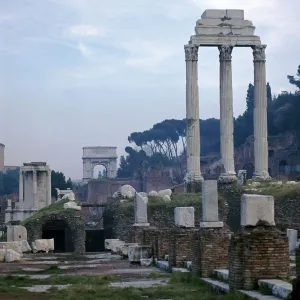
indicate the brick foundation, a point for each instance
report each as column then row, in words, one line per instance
column 255, row 253
column 210, row 250
column 181, row 244
column 137, row 234
column 159, row 239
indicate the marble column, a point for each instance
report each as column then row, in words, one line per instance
column 228, row 174
column 193, row 174
column 260, row 114
column 35, row 198
column 21, row 189
column 49, row 199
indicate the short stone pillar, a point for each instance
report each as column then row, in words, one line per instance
column 140, row 217
column 258, row 250
column 184, row 217
column 292, row 235
column 16, row 233
column 212, row 241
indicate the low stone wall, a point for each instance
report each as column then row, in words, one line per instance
column 256, row 253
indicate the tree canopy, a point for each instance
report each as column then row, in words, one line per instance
column 164, row 144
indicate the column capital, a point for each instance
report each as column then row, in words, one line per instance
column 259, row 53
column 225, row 52
column 191, row 52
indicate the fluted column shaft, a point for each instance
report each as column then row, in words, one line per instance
column 48, row 188
column 21, row 189
column 228, row 174
column 192, row 115
column 34, row 181
column 260, row 114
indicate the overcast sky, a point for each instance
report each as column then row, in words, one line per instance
column 77, row 73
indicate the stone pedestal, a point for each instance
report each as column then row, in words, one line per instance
column 228, row 174
column 192, row 116
column 258, row 250
column 210, row 250
column 260, row 115
column 184, row 217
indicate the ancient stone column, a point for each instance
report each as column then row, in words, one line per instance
column 34, row 181
column 228, row 174
column 260, row 114
column 193, row 176
column 21, row 189
column 48, row 201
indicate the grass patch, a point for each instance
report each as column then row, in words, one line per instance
column 182, row 286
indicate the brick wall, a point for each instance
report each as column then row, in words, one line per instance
column 210, row 250
column 181, row 244
column 159, row 239
column 256, row 253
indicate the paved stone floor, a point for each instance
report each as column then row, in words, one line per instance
column 43, row 266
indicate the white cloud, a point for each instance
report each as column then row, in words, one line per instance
column 85, row 31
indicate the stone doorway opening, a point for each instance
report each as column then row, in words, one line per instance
column 94, row 240
column 60, row 232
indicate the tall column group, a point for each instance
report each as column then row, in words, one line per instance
column 193, row 175
column 228, row 173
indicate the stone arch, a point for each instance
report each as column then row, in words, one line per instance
column 73, row 222
column 249, row 168
column 99, row 163
column 106, row 156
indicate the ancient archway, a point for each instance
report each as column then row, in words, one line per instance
column 72, row 225
column 100, row 171
column 105, row 156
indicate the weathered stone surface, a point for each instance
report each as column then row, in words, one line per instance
column 210, row 201
column 211, row 224
column 107, row 243
column 146, row 262
column 122, row 249
column 71, row 205
column 292, row 235
column 16, row 246
column 167, row 198
column 11, row 256
column 2, row 254
column 45, row 245
column 223, row 13
column 135, row 253
column 163, row 193
column 255, row 208
column 16, row 233
column 140, row 210
column 153, row 194
column 25, row 246
column 114, row 245
column 126, row 192
column 184, row 217
column 241, row 177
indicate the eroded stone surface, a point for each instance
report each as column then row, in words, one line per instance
column 16, row 233
column 45, row 245
column 44, row 288
column 140, row 210
column 210, row 201
column 11, row 255
column 255, row 208
column 184, row 217
column 292, row 234
column 139, row 283
column 135, row 253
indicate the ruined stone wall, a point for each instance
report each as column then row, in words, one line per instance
column 257, row 253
